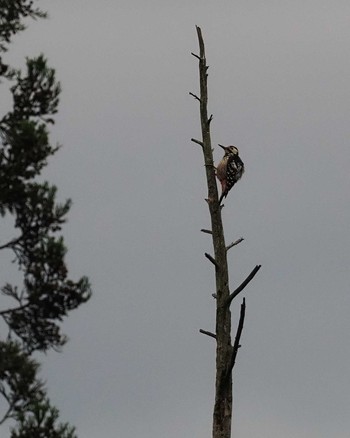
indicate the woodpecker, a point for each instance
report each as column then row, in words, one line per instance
column 229, row 170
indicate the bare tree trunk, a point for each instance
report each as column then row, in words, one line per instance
column 225, row 351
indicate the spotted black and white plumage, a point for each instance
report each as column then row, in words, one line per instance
column 229, row 170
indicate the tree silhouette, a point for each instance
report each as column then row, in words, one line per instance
column 45, row 294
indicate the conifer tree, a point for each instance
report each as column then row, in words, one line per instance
column 45, row 294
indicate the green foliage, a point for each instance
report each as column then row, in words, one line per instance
column 40, row 421
column 25, row 149
column 12, row 13
column 12, row 16
column 24, row 134
column 46, row 294
column 18, row 379
column 35, row 94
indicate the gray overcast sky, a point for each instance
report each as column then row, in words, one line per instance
column 136, row 365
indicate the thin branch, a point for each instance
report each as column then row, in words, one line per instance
column 243, row 285
column 14, row 242
column 197, row 141
column 195, row 96
column 209, row 257
column 206, row 231
column 15, row 309
column 205, row 332
column 237, row 345
column 234, row 243
column 8, row 414
column 11, row 243
column 210, row 119
column 196, row 56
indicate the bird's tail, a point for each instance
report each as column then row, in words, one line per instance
column 223, row 195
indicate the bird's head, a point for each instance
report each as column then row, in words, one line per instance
column 230, row 150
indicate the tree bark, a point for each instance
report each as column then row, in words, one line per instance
column 225, row 352
column 223, row 386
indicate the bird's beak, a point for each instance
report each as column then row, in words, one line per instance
column 223, row 147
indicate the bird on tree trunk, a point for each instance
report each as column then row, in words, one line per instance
column 229, row 170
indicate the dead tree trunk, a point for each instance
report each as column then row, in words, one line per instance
column 225, row 351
